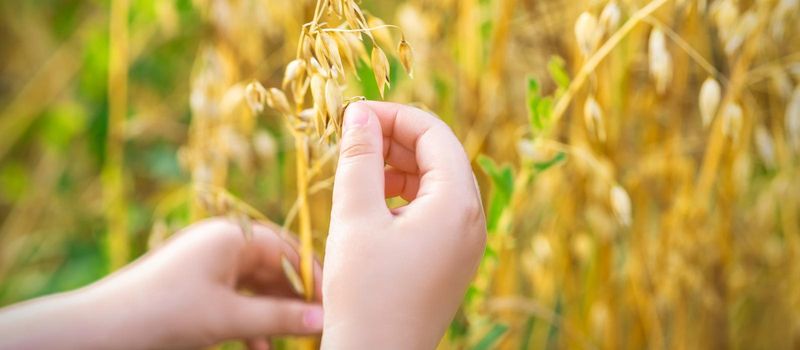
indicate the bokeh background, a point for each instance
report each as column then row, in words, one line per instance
column 617, row 217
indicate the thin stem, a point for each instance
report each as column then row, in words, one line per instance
column 304, row 216
column 113, row 170
column 361, row 30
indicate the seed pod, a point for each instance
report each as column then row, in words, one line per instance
column 710, row 95
column 744, row 27
column 732, row 120
column 586, row 33
column 306, row 46
column 660, row 60
column 318, row 69
column 332, row 49
column 621, row 204
column 726, row 14
column 593, row 117
column 255, row 95
column 380, row 66
column 346, row 52
column 406, row 55
column 610, row 17
column 318, row 93
column 294, row 70
column 277, row 100
column 793, row 119
column 321, row 52
column 333, row 101
column 765, row 146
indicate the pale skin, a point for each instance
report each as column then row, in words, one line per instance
column 394, row 278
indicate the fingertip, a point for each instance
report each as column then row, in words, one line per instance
column 313, row 318
column 357, row 115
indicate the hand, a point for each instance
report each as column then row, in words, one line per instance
column 182, row 295
column 394, row 278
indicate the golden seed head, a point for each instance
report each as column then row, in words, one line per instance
column 593, row 117
column 710, row 95
column 406, row 54
column 793, row 119
column 744, row 26
column 726, row 14
column 277, row 100
column 318, row 94
column 294, row 71
column 765, row 146
column 621, row 204
column 660, row 60
column 610, row 17
column 732, row 120
column 332, row 49
column 318, row 69
column 586, row 33
column 333, row 101
column 380, row 66
column 255, row 95
column 321, row 52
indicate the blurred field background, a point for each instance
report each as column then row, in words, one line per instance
column 621, row 216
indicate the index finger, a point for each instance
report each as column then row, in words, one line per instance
column 443, row 165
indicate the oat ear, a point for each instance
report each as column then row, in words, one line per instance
column 380, row 66
column 406, row 55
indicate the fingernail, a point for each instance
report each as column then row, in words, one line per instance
column 355, row 116
column 312, row 318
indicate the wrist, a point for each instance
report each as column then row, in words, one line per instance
column 381, row 333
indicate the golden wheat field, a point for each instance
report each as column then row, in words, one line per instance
column 639, row 161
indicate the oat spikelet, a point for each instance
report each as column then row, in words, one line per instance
column 586, row 33
column 765, row 146
column 333, row 101
column 660, row 60
column 610, row 17
column 380, row 65
column 255, row 95
column 621, row 204
column 294, row 70
column 793, row 119
column 277, row 100
column 593, row 117
column 406, row 55
column 710, row 95
column 732, row 120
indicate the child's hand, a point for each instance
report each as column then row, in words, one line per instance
column 183, row 295
column 395, row 278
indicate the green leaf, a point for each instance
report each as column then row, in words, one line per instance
column 502, row 187
column 539, row 108
column 558, row 71
column 558, row 158
column 490, row 340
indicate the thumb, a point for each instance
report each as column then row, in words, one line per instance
column 266, row 316
column 358, row 188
